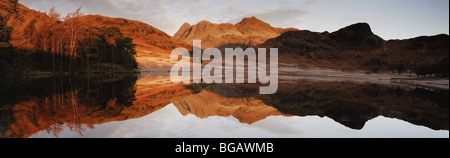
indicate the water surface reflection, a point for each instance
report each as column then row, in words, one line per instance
column 149, row 105
column 169, row 123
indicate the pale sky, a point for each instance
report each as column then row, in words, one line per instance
column 390, row 19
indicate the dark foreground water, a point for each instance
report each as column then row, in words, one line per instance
column 149, row 105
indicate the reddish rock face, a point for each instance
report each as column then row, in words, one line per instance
column 152, row 44
column 249, row 32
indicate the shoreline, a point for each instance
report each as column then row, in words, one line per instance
column 285, row 74
column 321, row 74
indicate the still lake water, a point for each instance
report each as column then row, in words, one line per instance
column 149, row 105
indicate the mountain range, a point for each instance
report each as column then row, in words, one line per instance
column 354, row 47
column 250, row 31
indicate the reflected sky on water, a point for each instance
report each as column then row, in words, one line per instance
column 169, row 123
column 149, row 105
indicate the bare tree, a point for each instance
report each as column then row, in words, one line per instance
column 75, row 27
column 54, row 17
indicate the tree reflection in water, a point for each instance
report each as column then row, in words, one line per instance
column 48, row 103
column 81, row 102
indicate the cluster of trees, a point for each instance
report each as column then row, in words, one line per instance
column 5, row 48
column 438, row 68
column 82, row 46
column 5, row 35
column 68, row 45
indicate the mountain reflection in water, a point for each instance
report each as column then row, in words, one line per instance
column 149, row 105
